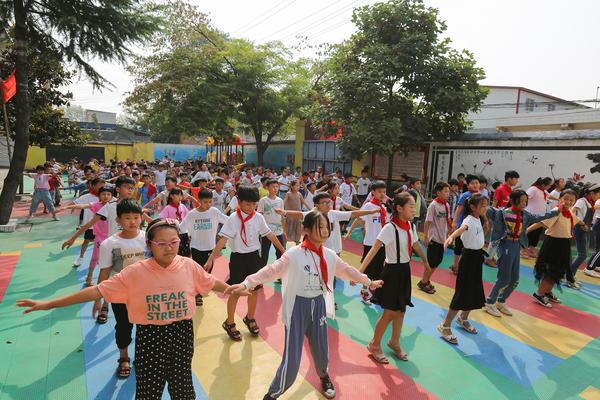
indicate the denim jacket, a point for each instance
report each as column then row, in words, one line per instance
column 499, row 232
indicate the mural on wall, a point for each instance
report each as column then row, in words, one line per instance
column 276, row 156
column 494, row 162
column 178, row 152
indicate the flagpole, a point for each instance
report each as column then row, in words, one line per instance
column 6, row 131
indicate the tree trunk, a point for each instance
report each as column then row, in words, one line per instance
column 259, row 153
column 388, row 182
column 21, row 144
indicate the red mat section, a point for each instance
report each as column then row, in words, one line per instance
column 559, row 314
column 7, row 267
column 354, row 374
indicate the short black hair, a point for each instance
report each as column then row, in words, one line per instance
column 438, row 187
column 348, row 175
column 515, row 196
column 248, row 193
column 271, row 182
column 124, row 180
column 40, row 168
column 96, row 181
column 105, row 189
column 320, row 196
column 510, row 174
column 453, row 182
column 483, row 179
column 129, row 206
column 171, row 178
column 219, row 179
column 470, row 178
column 205, row 194
column 459, row 175
column 378, row 185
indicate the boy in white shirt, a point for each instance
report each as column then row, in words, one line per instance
column 160, row 175
column 267, row 206
column 243, row 229
column 347, row 190
column 219, row 196
column 363, row 186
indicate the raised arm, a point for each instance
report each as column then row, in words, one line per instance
column 69, row 242
column 85, row 295
column 454, row 235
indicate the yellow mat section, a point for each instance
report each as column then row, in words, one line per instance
column 590, row 393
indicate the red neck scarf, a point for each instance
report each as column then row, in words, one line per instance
column 334, row 199
column 383, row 211
column 243, row 235
column 591, row 202
column 445, row 204
column 405, row 226
column 177, row 210
column 567, row 214
column 543, row 191
column 307, row 244
column 519, row 220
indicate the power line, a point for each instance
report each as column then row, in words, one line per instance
column 327, row 30
column 243, row 27
column 536, row 116
column 267, row 17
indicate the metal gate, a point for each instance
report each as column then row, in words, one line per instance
column 65, row 154
column 326, row 154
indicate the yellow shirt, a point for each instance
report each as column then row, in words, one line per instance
column 263, row 192
column 560, row 226
column 137, row 196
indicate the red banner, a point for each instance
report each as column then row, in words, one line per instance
column 9, row 87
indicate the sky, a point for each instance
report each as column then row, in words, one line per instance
column 547, row 46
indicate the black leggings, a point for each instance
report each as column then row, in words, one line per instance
column 123, row 327
column 163, row 355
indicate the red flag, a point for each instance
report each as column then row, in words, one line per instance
column 9, row 87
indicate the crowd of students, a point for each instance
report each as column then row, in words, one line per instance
column 155, row 278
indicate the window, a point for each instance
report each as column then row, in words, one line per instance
column 551, row 107
column 529, row 104
column 326, row 154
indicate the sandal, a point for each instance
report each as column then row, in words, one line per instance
column 123, row 372
column 426, row 287
column 447, row 336
column 254, row 329
column 103, row 315
column 377, row 354
column 199, row 300
column 89, row 281
column 232, row 332
column 398, row 352
column 466, row 325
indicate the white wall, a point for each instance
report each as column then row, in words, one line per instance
column 101, row 116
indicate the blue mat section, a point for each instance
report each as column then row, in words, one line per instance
column 101, row 354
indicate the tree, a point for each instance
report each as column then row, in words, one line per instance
column 396, row 82
column 75, row 113
column 199, row 81
column 76, row 29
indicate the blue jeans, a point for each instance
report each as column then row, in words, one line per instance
column 41, row 196
column 509, row 260
column 581, row 239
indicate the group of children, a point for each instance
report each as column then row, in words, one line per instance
column 155, row 279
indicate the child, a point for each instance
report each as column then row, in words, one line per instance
column 293, row 201
column 462, row 184
column 363, row 186
column 160, row 177
column 508, row 236
column 584, row 210
column 219, row 195
column 473, row 188
column 399, row 238
column 309, row 196
column 553, row 261
column 284, row 182
column 307, row 273
column 502, row 193
column 262, row 189
column 453, row 198
column 165, row 336
column 437, row 225
column 148, row 191
column 267, row 206
column 537, row 205
column 95, row 185
column 163, row 196
column 468, row 293
column 420, row 203
column 244, row 229
column 347, row 190
column 201, row 225
column 41, row 193
column 174, row 209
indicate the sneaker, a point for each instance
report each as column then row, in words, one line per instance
column 56, row 218
column 492, row 310
column 591, row 272
column 365, row 296
column 28, row 220
column 552, row 297
column 327, row 386
column 77, row 262
column 573, row 285
column 542, row 300
column 268, row 397
column 503, row 308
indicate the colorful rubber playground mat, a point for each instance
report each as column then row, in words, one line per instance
column 63, row 354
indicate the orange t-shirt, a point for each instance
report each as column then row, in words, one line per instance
column 158, row 295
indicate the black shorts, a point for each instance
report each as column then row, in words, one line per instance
column 241, row 265
column 200, row 256
column 458, row 246
column 89, row 235
column 435, row 254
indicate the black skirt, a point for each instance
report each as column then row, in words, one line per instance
column 395, row 293
column 469, row 294
column 554, row 259
column 241, row 265
column 373, row 270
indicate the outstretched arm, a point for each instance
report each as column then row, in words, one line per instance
column 85, row 295
column 454, row 235
column 370, row 255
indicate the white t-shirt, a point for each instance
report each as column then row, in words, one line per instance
column 597, row 208
column 372, row 224
column 219, row 200
column 201, row 226
column 583, row 207
column 346, row 192
column 284, row 182
column 202, row 174
column 334, row 241
column 109, row 213
column 537, row 202
column 473, row 238
column 553, row 203
column 86, row 199
column 266, row 207
column 41, row 181
column 308, row 198
column 160, row 177
column 363, row 186
column 118, row 253
column 387, row 236
column 256, row 227
column 233, row 203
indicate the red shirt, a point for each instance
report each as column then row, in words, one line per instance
column 501, row 195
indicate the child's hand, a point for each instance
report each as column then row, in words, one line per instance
column 449, row 242
column 238, row 289
column 426, row 241
column 376, row 284
column 96, row 309
column 279, row 211
column 585, row 228
column 352, row 283
column 347, row 236
column 33, row 305
column 208, row 266
column 68, row 243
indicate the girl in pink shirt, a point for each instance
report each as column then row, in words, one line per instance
column 160, row 296
column 174, row 209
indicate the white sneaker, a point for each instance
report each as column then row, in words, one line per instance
column 591, row 272
column 78, row 261
column 56, row 218
column 492, row 310
column 504, row 309
column 28, row 220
